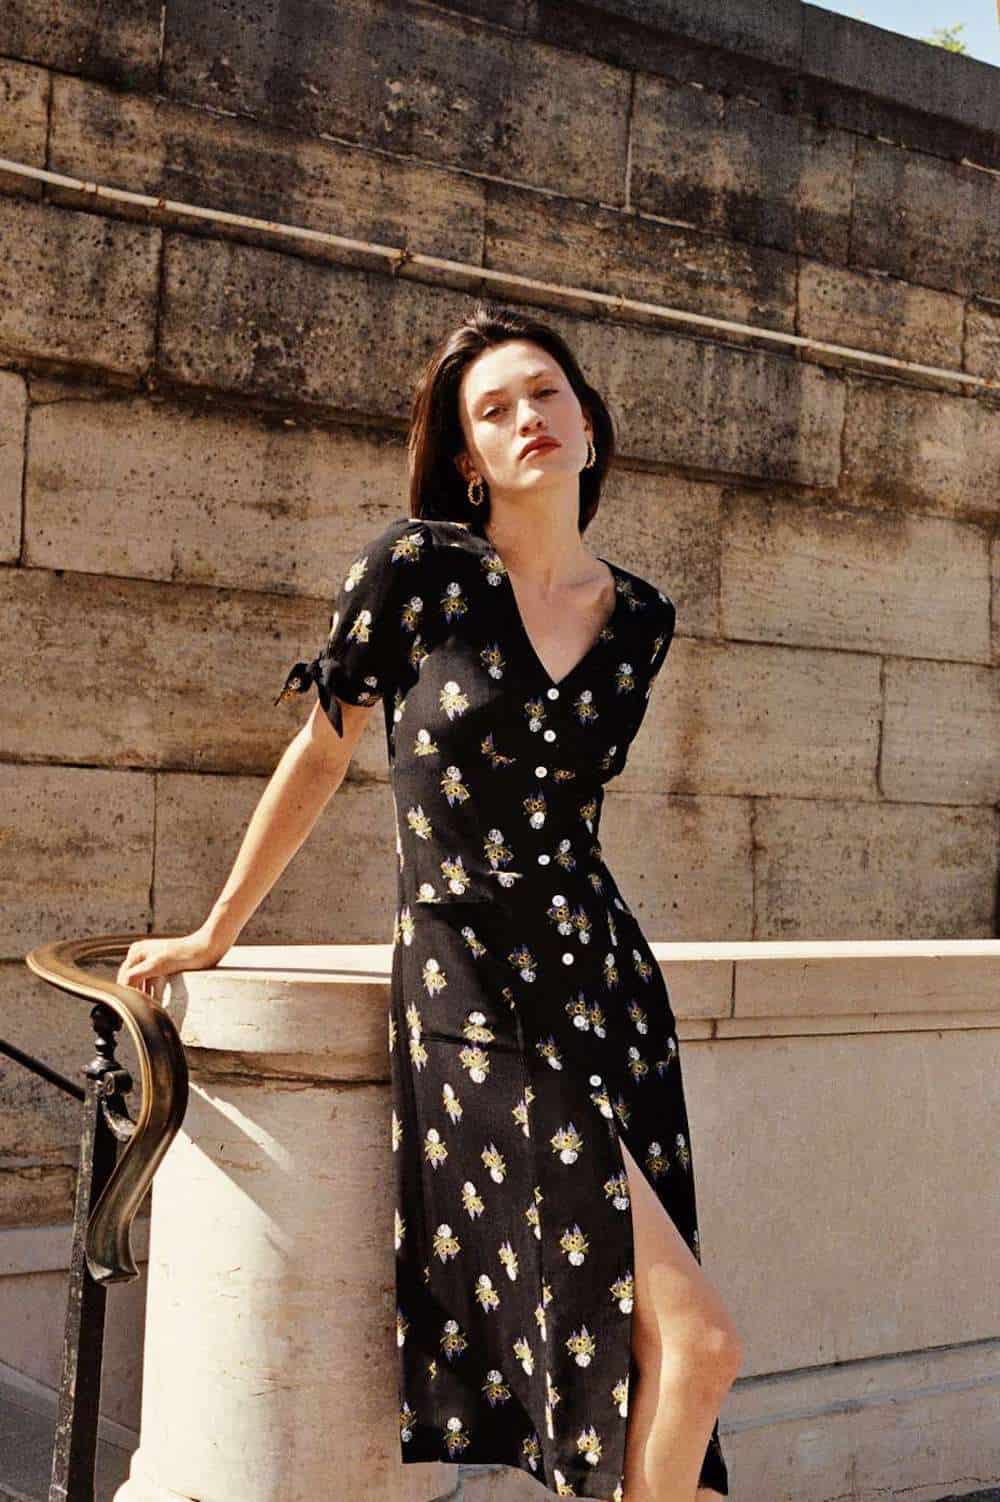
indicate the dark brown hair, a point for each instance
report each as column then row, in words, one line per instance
column 436, row 437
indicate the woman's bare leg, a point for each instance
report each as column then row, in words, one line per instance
column 687, row 1352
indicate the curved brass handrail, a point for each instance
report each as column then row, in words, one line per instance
column 163, row 1092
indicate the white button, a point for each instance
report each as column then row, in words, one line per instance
column 541, row 771
column 553, row 693
column 544, row 859
column 549, row 735
column 567, row 958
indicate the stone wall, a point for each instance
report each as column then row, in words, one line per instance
column 201, row 420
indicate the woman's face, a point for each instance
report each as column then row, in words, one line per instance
column 509, row 395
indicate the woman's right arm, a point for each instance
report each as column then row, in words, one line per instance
column 311, row 769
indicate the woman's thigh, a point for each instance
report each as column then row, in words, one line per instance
column 676, row 1304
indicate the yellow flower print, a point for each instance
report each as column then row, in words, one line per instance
column 623, row 1293
column 402, row 1326
column 400, row 1229
column 578, row 1012
column 610, row 970
column 476, row 1060
column 418, row 651
column 597, row 1021
column 588, row 812
column 564, row 1488
column 523, row 1352
column 494, row 757
column 574, row 1243
column 450, row 1101
column 453, row 602
column 471, row 1201
column 642, row 966
column 407, row 547
column 567, row 1142
column 524, row 962
column 616, row 1189
column 532, row 1217
column 433, row 976
column 656, row 1161
column 435, row 1151
column 494, row 566
column 407, row 927
column 496, row 852
column 638, row 1016
column 558, row 911
column 360, row 628
column 563, row 774
column 486, row 1295
column 619, row 1394
column 681, row 1150
column 696, row 1244
column 637, row 1066
column 552, row 1397
column 495, row 1389
column 445, row 1243
column 588, row 1444
column 397, row 1131
column 495, row 1162
column 424, row 744
column 582, row 925
column 432, row 1368
column 453, row 700
column 531, row 1449
column 453, row 1341
column 519, row 1111
column 535, row 710
column 473, row 941
column 456, row 877
column 410, row 615
column 452, row 785
column 392, row 1032
column 564, row 856
column 549, row 1051
column 508, row 1260
column 406, row 1417
column 455, row 1437
column 535, row 808
column 599, row 1095
column 582, row 1346
column 583, row 704
column 476, row 1030
column 541, row 1322
column 624, row 678
column 419, row 822
column 492, row 660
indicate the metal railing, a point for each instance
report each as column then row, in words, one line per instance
column 110, row 1184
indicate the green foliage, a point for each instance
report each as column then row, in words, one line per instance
column 947, row 37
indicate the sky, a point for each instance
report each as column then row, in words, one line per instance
column 921, row 18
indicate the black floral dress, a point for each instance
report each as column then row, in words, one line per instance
column 529, row 1023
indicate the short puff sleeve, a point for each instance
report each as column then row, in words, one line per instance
column 371, row 626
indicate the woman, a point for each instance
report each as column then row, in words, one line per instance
column 552, row 1312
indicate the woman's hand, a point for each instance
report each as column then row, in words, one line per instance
column 150, row 959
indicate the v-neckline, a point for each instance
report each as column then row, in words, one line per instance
column 588, row 651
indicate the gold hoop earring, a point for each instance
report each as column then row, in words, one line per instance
column 476, row 500
column 591, row 455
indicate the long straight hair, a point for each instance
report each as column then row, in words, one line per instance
column 436, row 438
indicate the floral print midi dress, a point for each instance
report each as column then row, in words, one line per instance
column 529, row 1025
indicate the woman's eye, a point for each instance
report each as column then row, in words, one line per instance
column 548, row 391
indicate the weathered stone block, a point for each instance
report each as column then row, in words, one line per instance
column 76, row 856
column 926, row 219
column 941, row 738
column 982, row 341
column 119, row 43
column 24, row 98
column 876, row 581
column 413, row 81
column 158, row 147
column 921, row 449
column 839, row 870
column 880, row 315
column 79, row 288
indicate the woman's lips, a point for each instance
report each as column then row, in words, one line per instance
column 541, row 448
